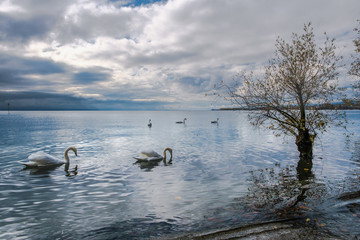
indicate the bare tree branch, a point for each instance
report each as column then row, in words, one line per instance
column 299, row 77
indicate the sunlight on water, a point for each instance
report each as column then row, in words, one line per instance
column 104, row 194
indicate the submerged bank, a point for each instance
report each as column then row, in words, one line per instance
column 286, row 229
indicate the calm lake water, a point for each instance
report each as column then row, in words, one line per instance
column 223, row 175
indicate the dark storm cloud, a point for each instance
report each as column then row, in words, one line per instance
column 43, row 67
column 29, row 65
column 24, row 29
column 89, row 77
column 11, row 78
column 39, row 101
column 50, row 101
column 13, row 70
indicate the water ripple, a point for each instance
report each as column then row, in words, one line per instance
column 104, row 195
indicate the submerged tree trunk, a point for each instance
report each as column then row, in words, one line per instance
column 304, row 175
column 305, row 144
column 304, row 169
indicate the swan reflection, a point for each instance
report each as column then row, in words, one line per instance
column 70, row 173
column 46, row 170
column 147, row 166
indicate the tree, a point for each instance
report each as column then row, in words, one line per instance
column 355, row 65
column 286, row 97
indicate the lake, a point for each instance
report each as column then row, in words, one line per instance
column 222, row 175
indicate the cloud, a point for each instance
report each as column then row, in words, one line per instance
column 21, row 73
column 89, row 77
column 10, row 78
column 164, row 51
column 30, row 64
column 22, row 29
column 23, row 21
column 20, row 100
column 39, row 101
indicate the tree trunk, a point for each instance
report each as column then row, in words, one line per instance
column 304, row 144
column 304, row 166
column 304, row 169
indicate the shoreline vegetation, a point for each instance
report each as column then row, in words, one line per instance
column 317, row 107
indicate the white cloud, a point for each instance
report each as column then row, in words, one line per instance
column 175, row 50
column 8, row 7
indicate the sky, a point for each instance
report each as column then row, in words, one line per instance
column 149, row 54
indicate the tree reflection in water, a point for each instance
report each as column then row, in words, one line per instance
column 328, row 205
column 280, row 190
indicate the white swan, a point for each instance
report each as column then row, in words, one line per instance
column 217, row 121
column 182, row 121
column 149, row 124
column 41, row 159
column 152, row 156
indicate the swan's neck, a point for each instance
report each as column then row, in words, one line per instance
column 164, row 154
column 66, row 154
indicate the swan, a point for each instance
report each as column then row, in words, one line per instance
column 152, row 156
column 41, row 159
column 217, row 121
column 182, row 121
column 149, row 124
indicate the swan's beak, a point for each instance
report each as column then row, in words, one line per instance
column 75, row 153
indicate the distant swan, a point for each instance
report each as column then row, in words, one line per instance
column 41, row 159
column 182, row 121
column 217, row 121
column 149, row 124
column 152, row 156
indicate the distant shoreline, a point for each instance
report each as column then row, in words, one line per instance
column 327, row 107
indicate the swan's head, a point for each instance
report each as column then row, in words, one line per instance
column 171, row 155
column 73, row 149
column 67, row 151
